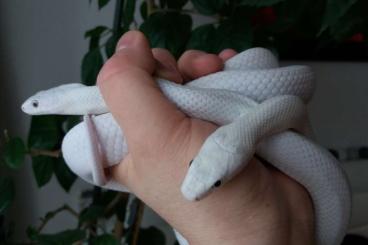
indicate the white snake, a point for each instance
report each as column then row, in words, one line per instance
column 257, row 103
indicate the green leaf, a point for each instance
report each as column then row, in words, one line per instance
column 170, row 30
column 353, row 21
column 233, row 33
column 65, row 177
column 202, row 38
column 346, row 27
column 102, row 3
column 94, row 35
column 129, row 10
column 121, row 208
column 335, row 9
column 91, row 65
column 105, row 197
column 163, row 3
column 69, row 122
column 7, row 193
column 91, row 213
column 111, row 45
column 45, row 132
column 131, row 212
column 208, row 7
column 297, row 14
column 176, row 4
column 105, row 239
column 143, row 10
column 111, row 42
column 43, row 168
column 14, row 152
column 151, row 236
column 259, row 3
column 95, row 32
column 32, row 233
column 61, row 238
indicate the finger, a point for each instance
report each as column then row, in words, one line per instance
column 166, row 65
column 194, row 64
column 134, row 98
column 121, row 172
column 227, row 54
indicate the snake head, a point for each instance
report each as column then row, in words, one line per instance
column 41, row 103
column 214, row 165
column 51, row 101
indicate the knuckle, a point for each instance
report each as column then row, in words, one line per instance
column 121, row 62
column 163, row 56
column 160, row 51
column 111, row 67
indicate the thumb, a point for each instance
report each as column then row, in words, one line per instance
column 133, row 96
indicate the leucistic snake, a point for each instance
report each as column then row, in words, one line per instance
column 261, row 108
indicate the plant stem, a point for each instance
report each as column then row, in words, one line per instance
column 118, row 229
column 137, row 223
column 119, row 226
column 97, row 192
column 52, row 214
column 150, row 7
column 114, row 202
column 40, row 152
column 117, row 16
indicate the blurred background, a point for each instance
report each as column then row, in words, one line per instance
column 47, row 43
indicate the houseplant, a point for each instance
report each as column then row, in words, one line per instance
column 292, row 29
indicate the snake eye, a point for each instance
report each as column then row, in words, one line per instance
column 35, row 103
column 217, row 183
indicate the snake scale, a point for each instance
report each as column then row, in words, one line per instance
column 261, row 108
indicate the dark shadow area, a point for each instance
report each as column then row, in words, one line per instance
column 352, row 239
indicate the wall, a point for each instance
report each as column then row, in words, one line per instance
column 339, row 113
column 42, row 45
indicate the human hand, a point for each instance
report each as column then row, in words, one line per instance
column 260, row 205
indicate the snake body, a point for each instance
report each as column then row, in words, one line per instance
column 255, row 101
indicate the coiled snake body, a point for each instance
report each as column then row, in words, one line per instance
column 255, row 101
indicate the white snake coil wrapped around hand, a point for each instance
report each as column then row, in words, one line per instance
column 255, row 101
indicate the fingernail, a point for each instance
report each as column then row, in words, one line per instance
column 126, row 41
